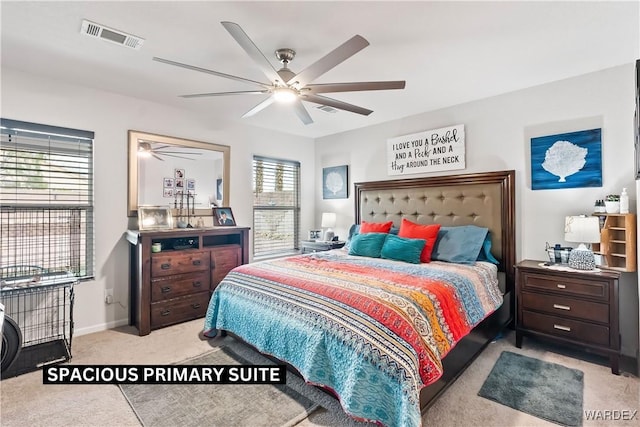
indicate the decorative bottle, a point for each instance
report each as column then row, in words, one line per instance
column 624, row 202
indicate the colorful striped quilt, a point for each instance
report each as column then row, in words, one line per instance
column 373, row 331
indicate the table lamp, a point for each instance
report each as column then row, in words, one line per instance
column 582, row 229
column 328, row 222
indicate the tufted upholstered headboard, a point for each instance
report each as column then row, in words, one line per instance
column 484, row 199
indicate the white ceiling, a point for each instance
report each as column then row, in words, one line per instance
column 448, row 52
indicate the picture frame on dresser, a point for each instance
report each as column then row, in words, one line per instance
column 223, row 216
column 153, row 217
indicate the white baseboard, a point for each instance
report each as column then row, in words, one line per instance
column 100, row 327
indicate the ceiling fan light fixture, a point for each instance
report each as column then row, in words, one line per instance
column 284, row 94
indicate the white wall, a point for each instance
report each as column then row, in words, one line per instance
column 498, row 132
column 110, row 116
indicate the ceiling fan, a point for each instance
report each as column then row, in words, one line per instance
column 147, row 149
column 286, row 86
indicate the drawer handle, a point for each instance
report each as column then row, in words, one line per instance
column 561, row 286
column 165, row 312
column 562, row 328
column 165, row 289
column 165, row 266
column 561, row 307
column 195, row 306
column 196, row 262
column 197, row 284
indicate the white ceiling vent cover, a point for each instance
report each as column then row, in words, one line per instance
column 109, row 34
column 327, row 109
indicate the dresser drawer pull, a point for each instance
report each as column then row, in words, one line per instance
column 561, row 286
column 165, row 266
column 165, row 312
column 562, row 328
column 165, row 289
column 561, row 307
column 195, row 306
column 196, row 262
column 197, row 284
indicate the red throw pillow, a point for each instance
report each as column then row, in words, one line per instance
column 375, row 227
column 418, row 231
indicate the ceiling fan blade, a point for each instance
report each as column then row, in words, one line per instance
column 239, row 92
column 330, row 60
column 354, row 86
column 247, row 44
column 323, row 100
column 215, row 73
column 157, row 157
column 177, row 157
column 302, row 112
column 261, row 106
column 166, row 153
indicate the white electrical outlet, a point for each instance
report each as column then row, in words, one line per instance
column 108, row 296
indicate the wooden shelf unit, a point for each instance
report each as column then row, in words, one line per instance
column 617, row 241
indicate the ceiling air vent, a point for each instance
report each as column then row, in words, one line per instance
column 327, row 109
column 109, row 34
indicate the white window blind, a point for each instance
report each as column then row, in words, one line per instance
column 46, row 195
column 276, row 206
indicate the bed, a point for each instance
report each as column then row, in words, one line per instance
column 385, row 335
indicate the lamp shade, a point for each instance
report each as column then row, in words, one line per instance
column 328, row 220
column 582, row 229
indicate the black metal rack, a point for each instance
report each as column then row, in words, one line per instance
column 42, row 309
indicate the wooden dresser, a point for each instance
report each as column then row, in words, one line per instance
column 572, row 307
column 175, row 284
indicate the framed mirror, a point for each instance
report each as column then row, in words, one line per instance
column 175, row 172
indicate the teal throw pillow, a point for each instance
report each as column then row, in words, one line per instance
column 368, row 244
column 402, row 249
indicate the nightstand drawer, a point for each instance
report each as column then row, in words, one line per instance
column 566, row 328
column 597, row 289
column 561, row 306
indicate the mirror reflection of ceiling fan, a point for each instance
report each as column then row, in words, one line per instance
column 152, row 149
column 286, row 86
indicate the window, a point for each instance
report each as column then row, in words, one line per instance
column 46, row 189
column 276, row 206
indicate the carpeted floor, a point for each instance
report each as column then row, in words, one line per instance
column 24, row 400
column 546, row 390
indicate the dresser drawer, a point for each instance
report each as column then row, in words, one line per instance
column 597, row 289
column 168, row 287
column 562, row 306
column 179, row 309
column 575, row 330
column 177, row 263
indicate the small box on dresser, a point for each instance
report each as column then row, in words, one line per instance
column 569, row 306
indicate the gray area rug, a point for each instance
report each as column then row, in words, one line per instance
column 545, row 390
column 216, row 404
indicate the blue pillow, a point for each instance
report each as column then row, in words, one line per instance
column 368, row 244
column 485, row 253
column 459, row 244
column 402, row 249
column 355, row 229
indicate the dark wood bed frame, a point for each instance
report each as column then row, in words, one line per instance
column 484, row 199
column 454, row 200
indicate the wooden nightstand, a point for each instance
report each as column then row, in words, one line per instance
column 574, row 307
column 309, row 246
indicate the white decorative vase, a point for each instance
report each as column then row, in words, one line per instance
column 612, row 207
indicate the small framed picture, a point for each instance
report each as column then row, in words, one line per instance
column 191, row 184
column 179, row 173
column 167, row 192
column 179, row 183
column 315, row 234
column 168, row 183
column 154, row 217
column 223, row 217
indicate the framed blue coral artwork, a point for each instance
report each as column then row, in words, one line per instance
column 567, row 160
column 335, row 182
